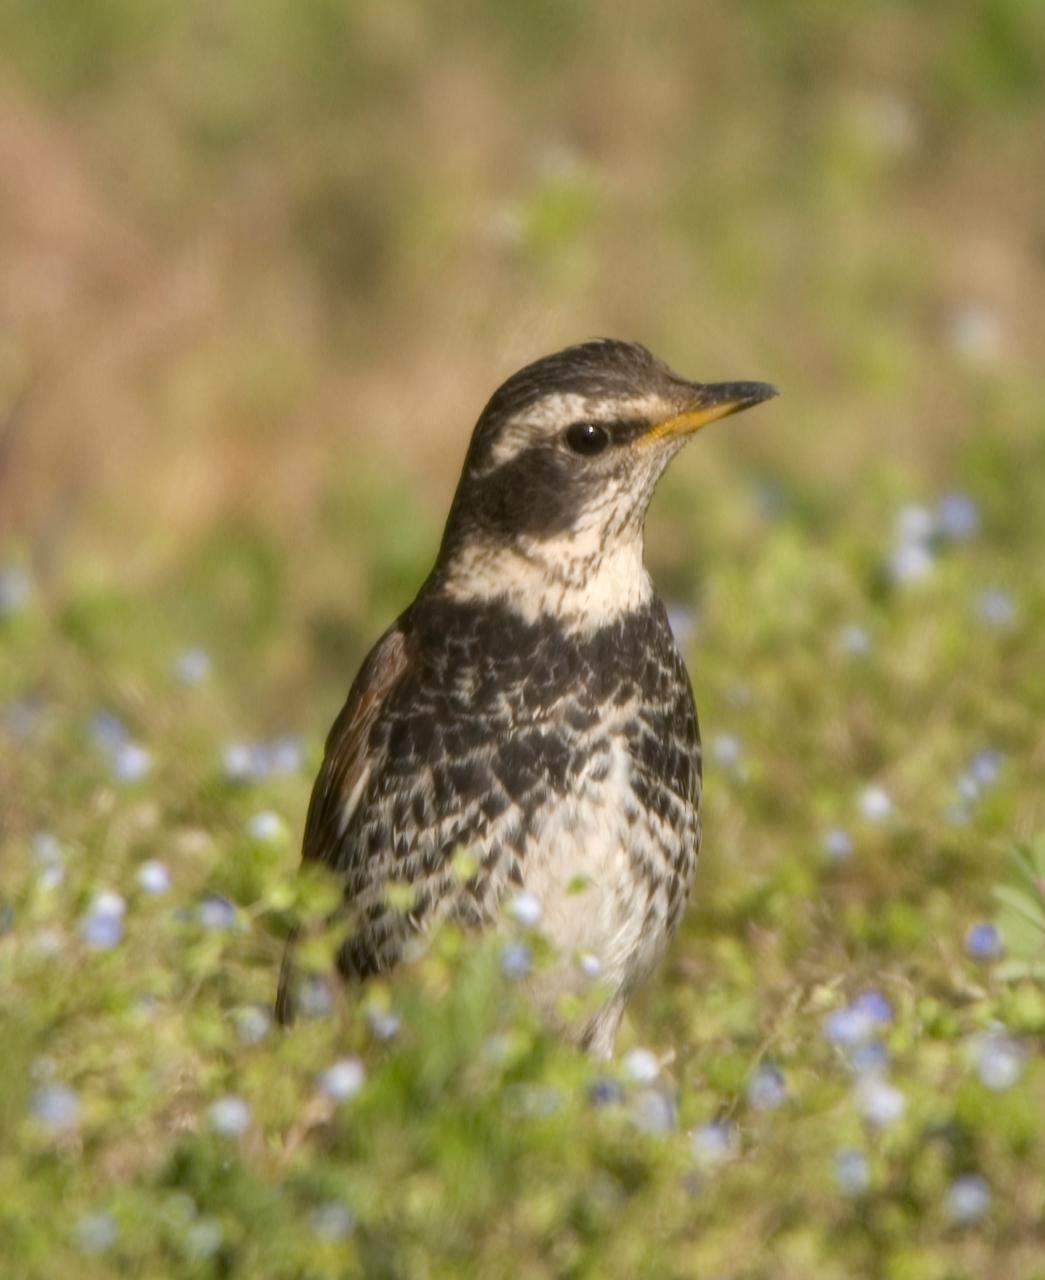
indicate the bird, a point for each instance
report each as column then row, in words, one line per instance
column 531, row 706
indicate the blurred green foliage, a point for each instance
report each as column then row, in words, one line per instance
column 270, row 258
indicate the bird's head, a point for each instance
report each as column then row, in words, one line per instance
column 560, row 471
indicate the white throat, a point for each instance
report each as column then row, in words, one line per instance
column 576, row 579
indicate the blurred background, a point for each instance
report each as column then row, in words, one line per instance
column 264, row 262
column 261, row 265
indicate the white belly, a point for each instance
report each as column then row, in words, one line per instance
column 594, row 901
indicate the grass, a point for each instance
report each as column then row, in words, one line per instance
column 835, row 700
column 249, row 351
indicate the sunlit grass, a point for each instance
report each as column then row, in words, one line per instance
column 841, row 1057
column 264, row 264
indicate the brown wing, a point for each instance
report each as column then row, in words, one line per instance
column 343, row 774
column 345, row 762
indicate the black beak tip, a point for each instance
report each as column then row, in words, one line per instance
column 752, row 393
column 737, row 395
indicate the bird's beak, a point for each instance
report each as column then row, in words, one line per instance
column 711, row 401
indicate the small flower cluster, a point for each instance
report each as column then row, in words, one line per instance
column 129, row 761
column 258, row 761
column 919, row 534
column 651, row 1102
column 855, row 1030
column 102, row 925
column 976, row 780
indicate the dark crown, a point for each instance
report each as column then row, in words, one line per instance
column 604, row 367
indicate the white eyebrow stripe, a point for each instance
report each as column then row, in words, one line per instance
column 559, row 409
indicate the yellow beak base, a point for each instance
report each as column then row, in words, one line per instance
column 712, row 401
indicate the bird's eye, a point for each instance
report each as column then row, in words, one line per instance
column 587, row 438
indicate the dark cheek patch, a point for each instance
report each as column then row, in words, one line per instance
column 626, row 430
column 543, row 490
column 539, row 493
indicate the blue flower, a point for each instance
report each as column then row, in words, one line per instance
column 56, row 1107
column 108, row 731
column 238, row 762
column 848, row 1026
column 46, row 849
column 216, row 912
column 983, row 942
column 683, row 623
column 909, row 563
column 985, row 766
column 604, row 1092
column 854, row 640
column 766, row 1089
column 641, row 1065
column 968, row 1199
column 875, row 1005
column 982, row 772
column 343, row 1080
column 516, row 960
column 968, row 789
column 253, row 1024
column 95, row 1233
column 130, row 762
column 284, row 755
column 203, row 1238
column 266, row 826
column 957, row 517
column 331, row 1221
column 47, row 852
column 102, row 926
column 871, row 1056
column 153, row 877
column 852, row 1174
column 995, row 609
column 192, row 667
column 879, row 1102
column 914, row 524
column 712, row 1143
column 837, row 844
column 727, row 750
column 101, row 932
column 315, row 999
column 229, row 1116
column 255, row 761
column 653, row 1112
column 383, row 1023
column 525, row 909
column 875, row 804
column 997, row 1058
column 108, row 903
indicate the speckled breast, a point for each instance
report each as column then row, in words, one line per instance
column 555, row 759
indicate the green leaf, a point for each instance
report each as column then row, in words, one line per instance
column 1023, row 905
